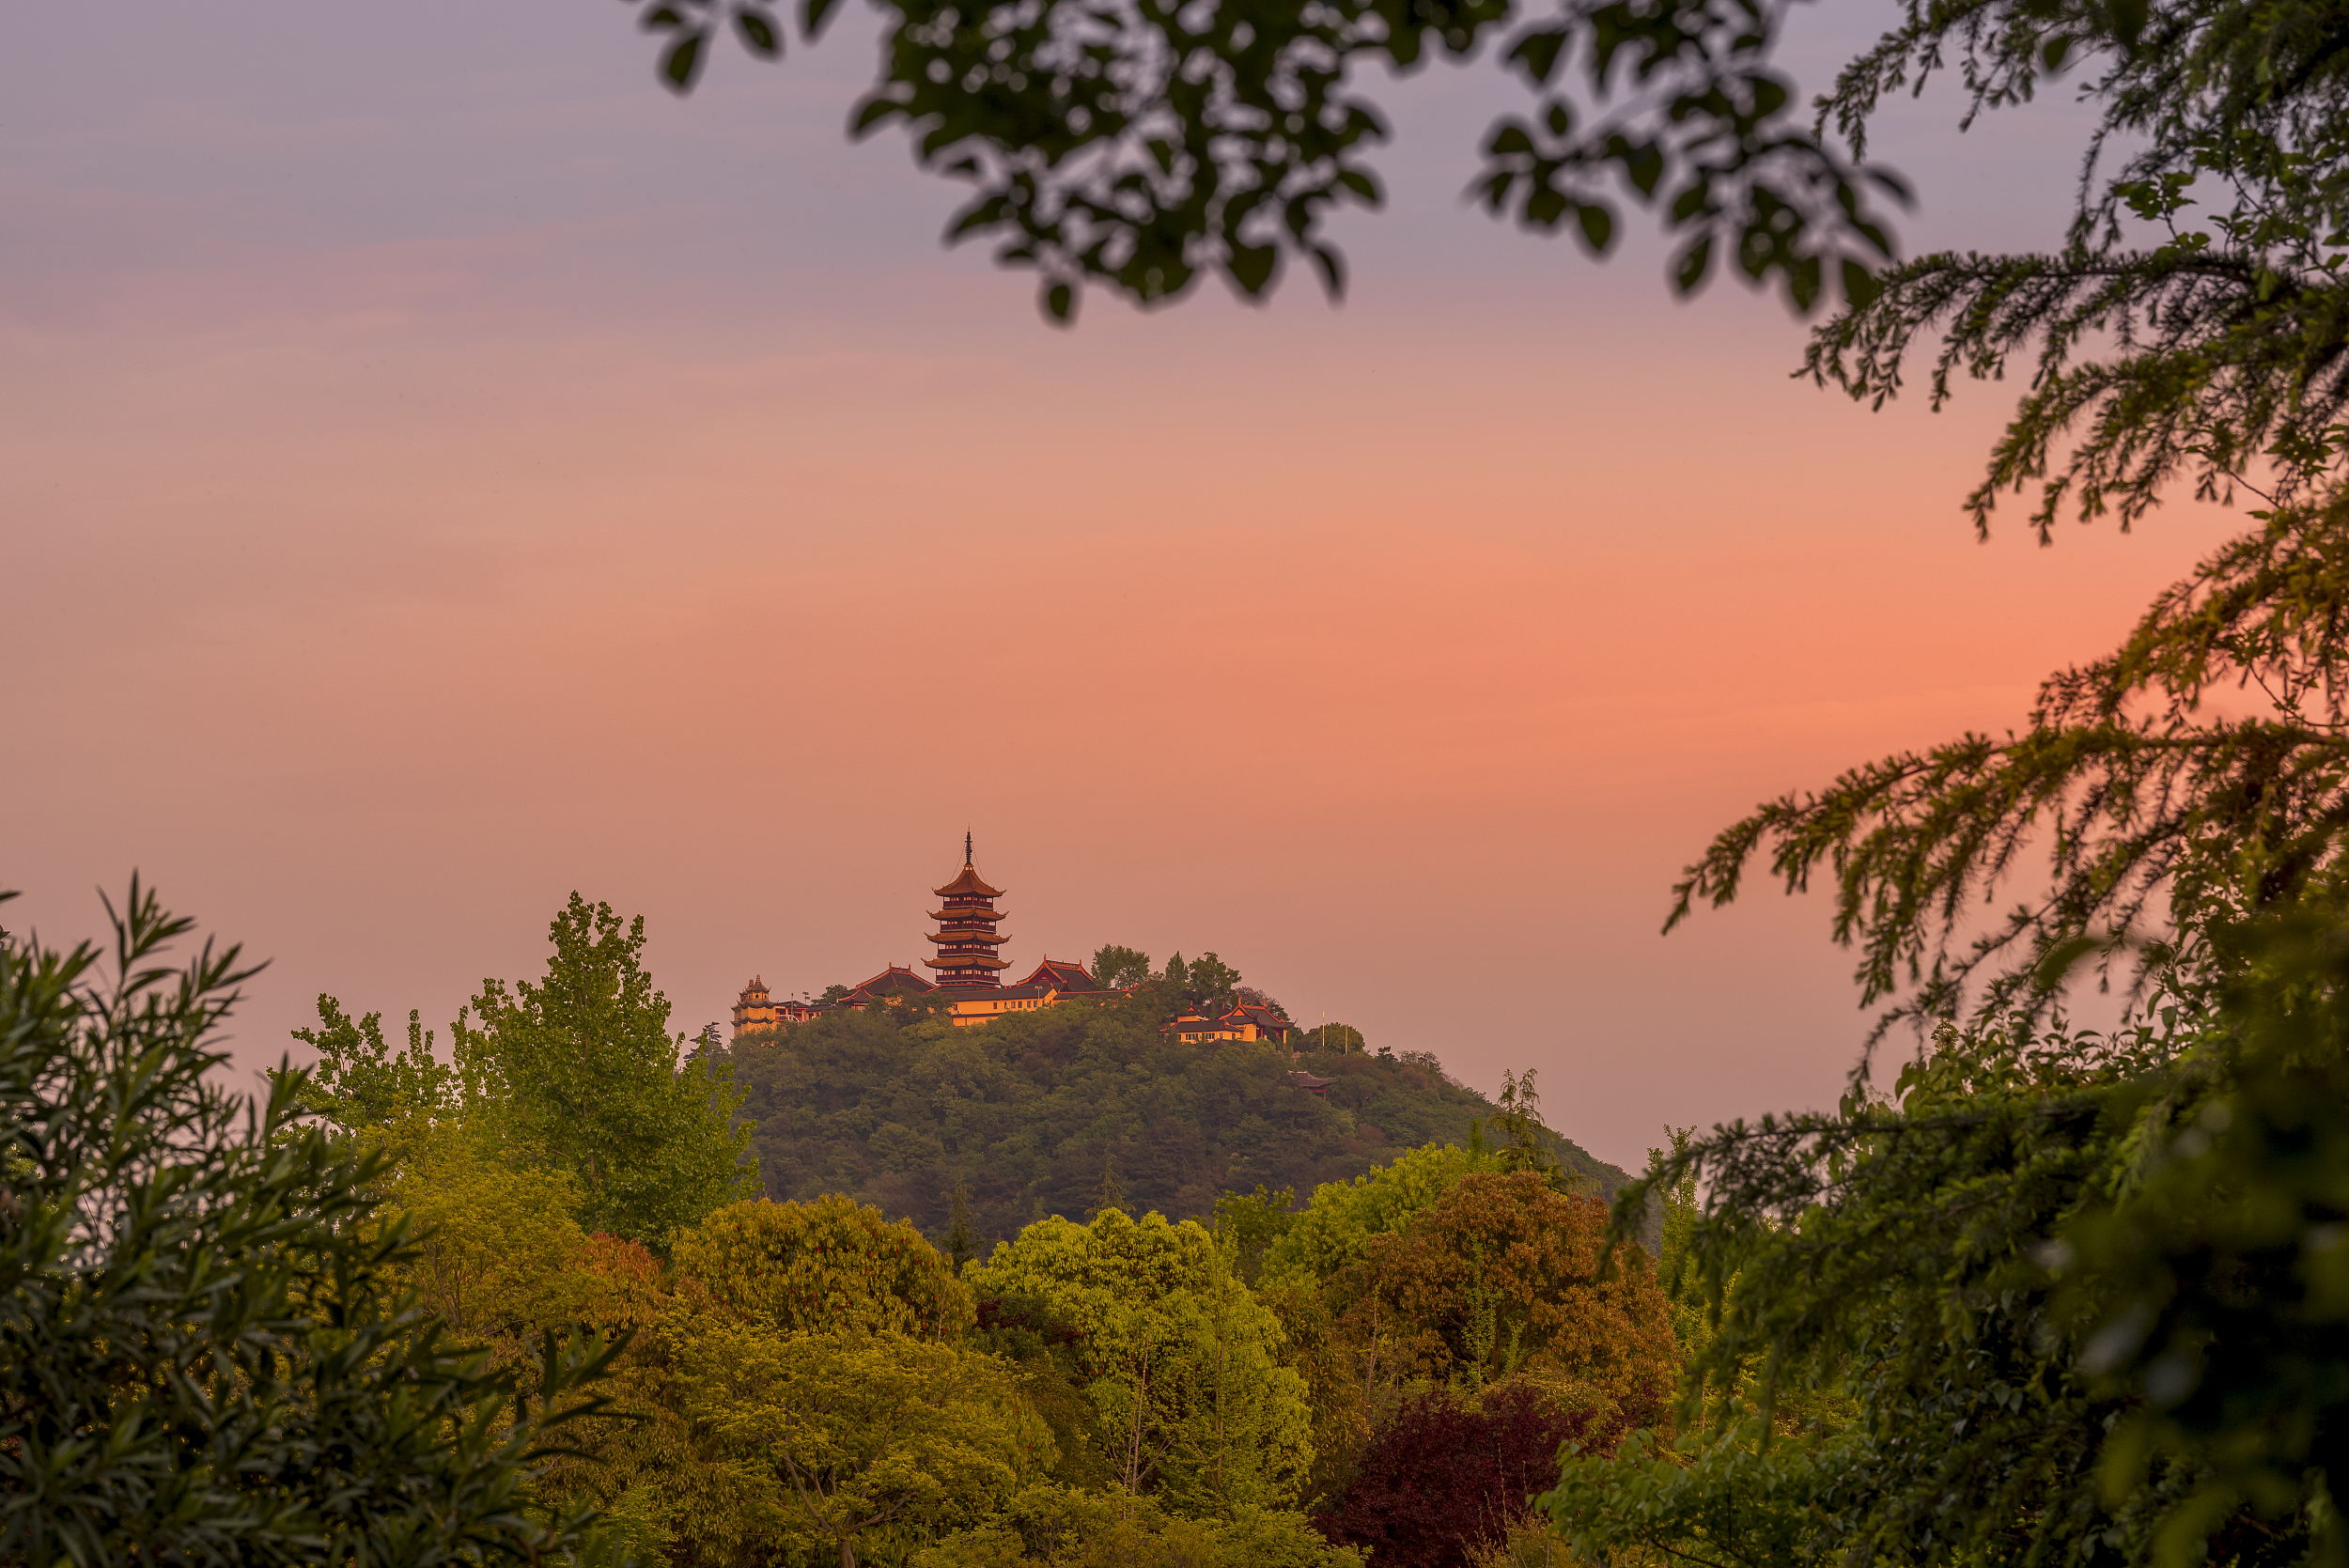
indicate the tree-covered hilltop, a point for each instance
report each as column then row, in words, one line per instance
column 1036, row 1113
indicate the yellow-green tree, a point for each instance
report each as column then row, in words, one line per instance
column 832, row 1265
column 494, row 1241
column 579, row 1068
column 1178, row 1359
column 837, row 1439
column 1337, row 1225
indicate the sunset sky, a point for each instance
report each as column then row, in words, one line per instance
column 439, row 471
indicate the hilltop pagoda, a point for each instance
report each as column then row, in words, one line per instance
column 966, row 935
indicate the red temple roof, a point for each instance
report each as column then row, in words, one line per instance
column 892, row 979
column 968, row 886
column 1063, row 976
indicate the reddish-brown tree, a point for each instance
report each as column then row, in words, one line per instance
column 1443, row 1476
column 1499, row 1279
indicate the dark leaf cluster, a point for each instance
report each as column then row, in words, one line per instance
column 1143, row 144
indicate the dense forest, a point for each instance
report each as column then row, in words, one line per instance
column 1041, row 1113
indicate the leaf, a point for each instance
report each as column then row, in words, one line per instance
column 1688, row 273
column 683, row 62
column 759, row 32
column 1332, row 266
column 1251, row 267
column 813, row 16
column 1644, row 165
column 1060, row 303
column 1861, row 287
column 1598, row 226
column 1539, row 52
column 2128, row 21
column 1803, row 282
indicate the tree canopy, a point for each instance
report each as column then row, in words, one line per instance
column 206, row 1353
column 896, row 1108
column 576, row 1073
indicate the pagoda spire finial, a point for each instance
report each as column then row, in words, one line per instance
column 966, row 846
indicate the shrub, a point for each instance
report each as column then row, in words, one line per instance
column 1444, row 1478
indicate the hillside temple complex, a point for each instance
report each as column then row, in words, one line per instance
column 969, row 979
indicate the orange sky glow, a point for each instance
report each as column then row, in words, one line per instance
column 438, row 472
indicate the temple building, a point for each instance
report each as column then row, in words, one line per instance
column 1245, row 1022
column 969, row 979
column 966, row 935
column 756, row 1009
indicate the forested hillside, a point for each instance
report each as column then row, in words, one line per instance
column 1036, row 1112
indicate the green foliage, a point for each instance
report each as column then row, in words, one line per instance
column 2155, row 811
column 1142, row 147
column 1248, row 1223
column 1115, row 968
column 1335, row 1229
column 581, row 1066
column 1177, row 1359
column 203, row 1357
column 1336, row 1039
column 1210, row 983
column 1676, row 1231
column 2160, row 343
column 2061, row 1296
column 2195, row 326
column 494, row 1242
column 860, row 1437
column 1503, row 1277
column 1056, row 1527
column 1027, row 1111
column 2211, row 1291
column 831, row 1265
column 359, row 1082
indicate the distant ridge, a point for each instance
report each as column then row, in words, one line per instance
column 1042, row 1112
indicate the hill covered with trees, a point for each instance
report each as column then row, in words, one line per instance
column 1055, row 1111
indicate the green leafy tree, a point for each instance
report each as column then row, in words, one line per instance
column 1248, row 1223
column 359, row 1081
column 2057, row 1296
column 1060, row 1526
column 1117, row 968
column 862, row 1438
column 1336, row 1038
column 204, row 1357
column 1209, row 983
column 831, row 1263
column 493, row 1243
column 1335, row 1228
column 1179, row 1361
column 580, row 1066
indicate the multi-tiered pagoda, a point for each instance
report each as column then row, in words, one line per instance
column 966, row 936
